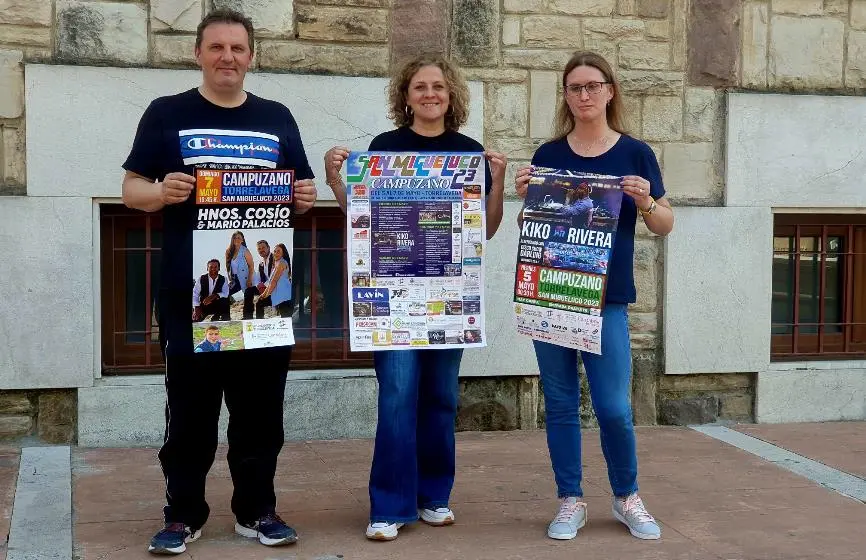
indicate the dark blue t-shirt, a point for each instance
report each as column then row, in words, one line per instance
column 628, row 156
column 404, row 139
column 179, row 133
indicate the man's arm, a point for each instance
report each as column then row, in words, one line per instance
column 142, row 193
column 224, row 293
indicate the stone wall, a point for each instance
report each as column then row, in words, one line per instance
column 675, row 59
column 47, row 415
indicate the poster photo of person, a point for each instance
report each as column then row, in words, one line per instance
column 583, row 202
column 242, row 274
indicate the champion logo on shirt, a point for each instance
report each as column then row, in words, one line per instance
column 244, row 147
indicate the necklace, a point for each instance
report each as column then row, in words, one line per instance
column 587, row 146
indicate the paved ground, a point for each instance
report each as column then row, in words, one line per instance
column 841, row 445
column 713, row 500
column 9, row 458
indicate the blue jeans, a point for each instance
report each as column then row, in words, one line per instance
column 609, row 376
column 413, row 459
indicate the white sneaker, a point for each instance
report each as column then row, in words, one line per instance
column 633, row 514
column 382, row 531
column 437, row 517
column 570, row 518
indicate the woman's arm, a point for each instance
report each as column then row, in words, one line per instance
column 497, row 162
column 275, row 277
column 661, row 221
column 250, row 268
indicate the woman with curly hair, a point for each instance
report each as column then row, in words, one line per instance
column 414, row 456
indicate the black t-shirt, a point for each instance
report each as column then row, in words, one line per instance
column 179, row 133
column 404, row 139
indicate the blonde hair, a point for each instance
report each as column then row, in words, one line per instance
column 458, row 92
column 564, row 120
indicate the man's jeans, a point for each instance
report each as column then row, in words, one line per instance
column 413, row 459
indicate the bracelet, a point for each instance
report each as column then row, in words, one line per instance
column 338, row 182
column 650, row 210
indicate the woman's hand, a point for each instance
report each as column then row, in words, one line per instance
column 639, row 189
column 497, row 162
column 334, row 159
column 521, row 180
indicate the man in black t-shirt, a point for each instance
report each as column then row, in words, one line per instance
column 215, row 126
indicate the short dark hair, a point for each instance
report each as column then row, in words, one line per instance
column 214, row 260
column 224, row 15
column 263, row 241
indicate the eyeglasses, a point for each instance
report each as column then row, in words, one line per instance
column 592, row 88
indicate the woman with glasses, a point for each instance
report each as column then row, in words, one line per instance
column 589, row 136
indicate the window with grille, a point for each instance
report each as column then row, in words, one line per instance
column 819, row 286
column 130, row 250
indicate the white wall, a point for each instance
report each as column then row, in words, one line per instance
column 718, row 264
column 785, row 153
column 796, row 151
column 46, row 296
column 81, row 120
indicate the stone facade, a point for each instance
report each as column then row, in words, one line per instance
column 674, row 59
column 48, row 415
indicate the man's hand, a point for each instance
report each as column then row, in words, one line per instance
column 261, row 287
column 209, row 299
column 305, row 195
column 176, row 188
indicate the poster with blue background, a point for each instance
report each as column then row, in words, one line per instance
column 416, row 236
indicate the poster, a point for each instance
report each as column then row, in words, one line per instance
column 416, row 237
column 566, row 239
column 242, row 260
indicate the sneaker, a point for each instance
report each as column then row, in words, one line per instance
column 172, row 539
column 631, row 512
column 269, row 529
column 571, row 517
column 437, row 517
column 382, row 531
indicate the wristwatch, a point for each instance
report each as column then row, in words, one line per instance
column 650, row 210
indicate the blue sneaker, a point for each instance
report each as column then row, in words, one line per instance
column 269, row 529
column 172, row 539
column 631, row 512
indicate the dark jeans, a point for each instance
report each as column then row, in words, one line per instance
column 219, row 308
column 286, row 308
column 261, row 303
column 195, row 386
column 414, row 454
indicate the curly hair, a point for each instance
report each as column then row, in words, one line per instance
column 564, row 121
column 458, row 92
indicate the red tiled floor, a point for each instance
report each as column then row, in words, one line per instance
column 9, row 461
column 712, row 500
column 841, row 445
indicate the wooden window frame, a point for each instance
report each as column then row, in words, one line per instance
column 118, row 355
column 850, row 342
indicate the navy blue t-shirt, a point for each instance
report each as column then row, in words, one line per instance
column 179, row 133
column 182, row 132
column 628, row 156
column 404, row 139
